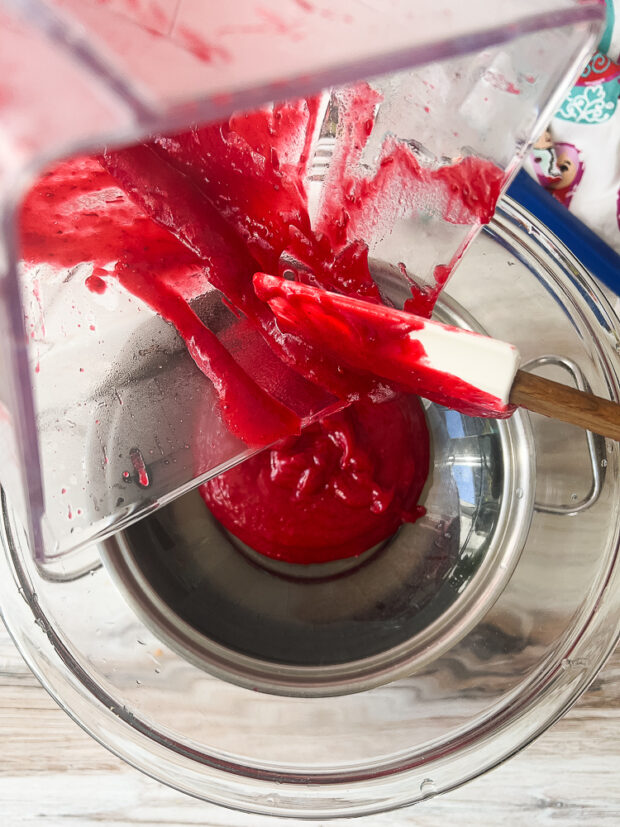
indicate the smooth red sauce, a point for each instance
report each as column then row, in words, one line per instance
column 347, row 483
column 212, row 206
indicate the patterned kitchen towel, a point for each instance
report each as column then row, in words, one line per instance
column 578, row 157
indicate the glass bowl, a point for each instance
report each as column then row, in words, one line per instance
column 369, row 685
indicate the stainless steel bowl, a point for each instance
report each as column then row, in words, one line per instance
column 345, row 626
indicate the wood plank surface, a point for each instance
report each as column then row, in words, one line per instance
column 53, row 775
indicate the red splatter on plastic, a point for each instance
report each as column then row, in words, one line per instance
column 96, row 284
column 139, row 466
column 205, row 52
column 498, row 81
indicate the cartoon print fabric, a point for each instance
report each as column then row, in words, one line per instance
column 578, row 157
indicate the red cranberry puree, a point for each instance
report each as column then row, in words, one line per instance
column 209, row 207
column 344, row 485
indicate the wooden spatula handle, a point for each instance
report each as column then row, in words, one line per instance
column 544, row 396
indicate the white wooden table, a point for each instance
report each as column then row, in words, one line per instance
column 52, row 774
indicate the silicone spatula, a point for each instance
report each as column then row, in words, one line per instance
column 473, row 374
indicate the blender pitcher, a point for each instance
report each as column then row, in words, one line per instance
column 104, row 418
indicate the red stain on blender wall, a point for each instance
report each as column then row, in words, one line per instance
column 497, row 80
column 210, row 207
column 199, row 47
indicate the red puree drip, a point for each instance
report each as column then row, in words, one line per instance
column 210, row 207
